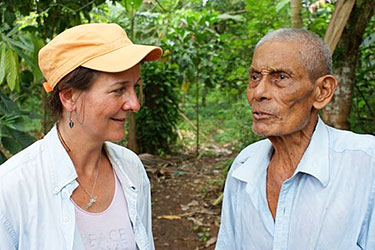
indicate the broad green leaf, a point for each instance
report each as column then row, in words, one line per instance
column 2, row 158
column 13, row 31
column 281, row 4
column 23, row 46
column 11, row 69
column 226, row 16
column 23, row 139
column 132, row 5
column 18, row 124
column 7, row 106
column 2, row 62
column 11, row 145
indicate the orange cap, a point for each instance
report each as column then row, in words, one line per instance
column 98, row 46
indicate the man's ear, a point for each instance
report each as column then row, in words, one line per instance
column 67, row 99
column 325, row 87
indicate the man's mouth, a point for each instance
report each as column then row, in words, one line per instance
column 258, row 115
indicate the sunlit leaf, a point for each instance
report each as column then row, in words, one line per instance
column 11, row 68
column 23, row 139
column 2, row 62
column 281, row 4
column 132, row 5
column 226, row 16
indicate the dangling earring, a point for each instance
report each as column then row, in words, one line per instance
column 71, row 123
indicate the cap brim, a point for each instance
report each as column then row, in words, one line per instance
column 124, row 58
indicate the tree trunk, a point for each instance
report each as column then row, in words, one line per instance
column 296, row 17
column 337, row 23
column 197, row 111
column 345, row 60
column 204, row 94
column 132, row 139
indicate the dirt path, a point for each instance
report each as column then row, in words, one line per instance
column 184, row 189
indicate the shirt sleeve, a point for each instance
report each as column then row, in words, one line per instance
column 6, row 233
column 145, row 210
column 366, row 239
column 226, row 237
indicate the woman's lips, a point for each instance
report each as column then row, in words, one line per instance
column 120, row 120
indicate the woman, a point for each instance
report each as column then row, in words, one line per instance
column 73, row 189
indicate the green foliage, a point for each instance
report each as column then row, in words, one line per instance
column 13, row 127
column 207, row 46
column 131, row 5
column 362, row 117
column 224, row 121
column 318, row 21
column 159, row 115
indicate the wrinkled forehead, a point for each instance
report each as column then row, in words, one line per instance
column 280, row 55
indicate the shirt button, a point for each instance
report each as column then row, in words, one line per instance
column 133, row 188
column 66, row 219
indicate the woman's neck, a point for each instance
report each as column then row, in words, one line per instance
column 85, row 153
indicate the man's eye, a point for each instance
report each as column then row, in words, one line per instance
column 283, row 76
column 254, row 77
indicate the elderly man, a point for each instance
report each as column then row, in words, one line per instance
column 307, row 186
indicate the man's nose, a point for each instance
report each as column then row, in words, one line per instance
column 262, row 89
column 131, row 102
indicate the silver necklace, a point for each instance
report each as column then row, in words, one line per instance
column 91, row 195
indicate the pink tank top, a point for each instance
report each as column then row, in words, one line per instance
column 110, row 229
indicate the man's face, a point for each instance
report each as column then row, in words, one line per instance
column 280, row 93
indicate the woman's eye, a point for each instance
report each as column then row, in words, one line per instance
column 119, row 91
column 282, row 77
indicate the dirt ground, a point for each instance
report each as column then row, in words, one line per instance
column 184, row 191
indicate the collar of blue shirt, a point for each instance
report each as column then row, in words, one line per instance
column 314, row 162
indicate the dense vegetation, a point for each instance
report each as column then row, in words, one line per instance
column 195, row 96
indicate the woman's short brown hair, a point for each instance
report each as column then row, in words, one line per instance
column 81, row 78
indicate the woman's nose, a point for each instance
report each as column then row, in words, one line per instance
column 131, row 103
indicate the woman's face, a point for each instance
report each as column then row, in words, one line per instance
column 103, row 108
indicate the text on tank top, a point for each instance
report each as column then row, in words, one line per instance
column 110, row 229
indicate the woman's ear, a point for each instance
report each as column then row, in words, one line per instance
column 325, row 87
column 67, row 99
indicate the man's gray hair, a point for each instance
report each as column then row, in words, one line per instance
column 315, row 54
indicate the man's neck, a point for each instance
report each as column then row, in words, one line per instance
column 289, row 149
column 288, row 152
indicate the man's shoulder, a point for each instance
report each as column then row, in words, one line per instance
column 343, row 140
column 254, row 148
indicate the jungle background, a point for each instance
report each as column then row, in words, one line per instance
column 195, row 117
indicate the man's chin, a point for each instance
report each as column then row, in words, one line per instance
column 260, row 132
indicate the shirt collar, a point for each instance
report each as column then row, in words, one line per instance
column 62, row 170
column 315, row 160
column 254, row 160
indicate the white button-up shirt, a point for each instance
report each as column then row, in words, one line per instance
column 328, row 203
column 35, row 188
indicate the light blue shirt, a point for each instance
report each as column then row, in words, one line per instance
column 36, row 212
column 328, row 203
